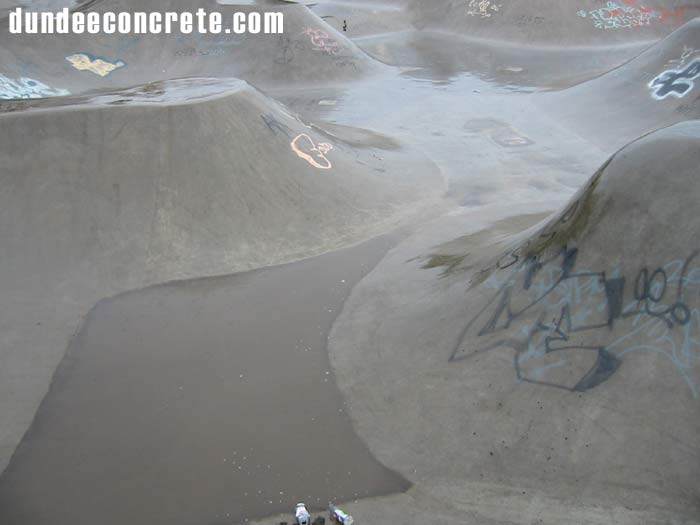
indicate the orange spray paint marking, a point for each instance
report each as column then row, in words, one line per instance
column 314, row 154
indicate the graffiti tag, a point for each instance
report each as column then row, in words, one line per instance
column 195, row 52
column 482, row 8
column 97, row 65
column 314, row 154
column 27, row 88
column 615, row 16
column 675, row 82
column 322, row 41
column 275, row 125
column 553, row 317
column 685, row 55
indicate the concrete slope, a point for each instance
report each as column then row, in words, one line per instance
column 555, row 22
column 658, row 88
column 308, row 53
column 536, row 22
column 174, row 180
column 551, row 376
column 541, row 44
column 442, row 56
column 361, row 18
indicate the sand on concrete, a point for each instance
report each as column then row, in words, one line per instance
column 206, row 401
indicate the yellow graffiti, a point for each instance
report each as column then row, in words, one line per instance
column 99, row 66
column 314, row 154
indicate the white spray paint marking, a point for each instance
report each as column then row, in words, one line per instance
column 675, row 82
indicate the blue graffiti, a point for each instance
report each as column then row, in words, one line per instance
column 25, row 88
column 675, row 82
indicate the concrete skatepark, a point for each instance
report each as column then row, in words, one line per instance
column 436, row 261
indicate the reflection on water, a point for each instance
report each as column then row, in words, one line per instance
column 442, row 57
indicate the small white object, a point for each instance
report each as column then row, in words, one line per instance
column 339, row 516
column 302, row 515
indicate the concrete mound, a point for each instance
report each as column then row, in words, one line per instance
column 264, row 178
column 574, row 310
column 442, row 56
column 537, row 22
column 656, row 89
column 564, row 369
column 196, row 177
column 308, row 53
column 540, row 44
column 555, row 22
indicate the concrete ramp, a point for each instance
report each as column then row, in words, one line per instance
column 579, row 314
column 543, row 44
column 196, row 177
column 308, row 53
column 536, row 22
column 555, row 22
column 658, row 88
column 562, row 369
column 506, row 364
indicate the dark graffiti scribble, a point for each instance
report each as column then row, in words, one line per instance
column 275, row 125
column 545, row 311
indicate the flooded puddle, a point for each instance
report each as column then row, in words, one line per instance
column 202, row 402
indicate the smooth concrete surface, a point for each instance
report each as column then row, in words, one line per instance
column 565, row 362
column 170, row 205
column 512, row 368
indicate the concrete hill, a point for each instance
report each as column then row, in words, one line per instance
column 565, row 369
column 556, row 22
column 545, row 43
column 258, row 175
column 658, row 88
column 308, row 53
column 181, row 179
column 629, row 310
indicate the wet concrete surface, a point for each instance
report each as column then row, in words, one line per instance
column 489, row 138
column 161, row 454
column 439, row 56
column 208, row 401
column 213, row 401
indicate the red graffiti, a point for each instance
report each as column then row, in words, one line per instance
column 677, row 14
column 322, row 41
